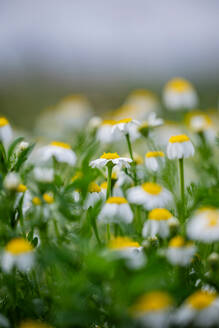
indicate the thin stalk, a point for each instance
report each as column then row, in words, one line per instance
column 182, row 184
column 94, row 225
column 109, row 192
column 131, row 155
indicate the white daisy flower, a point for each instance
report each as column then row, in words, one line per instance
column 105, row 133
column 127, row 126
column 43, row 174
column 153, row 309
column 179, row 94
column 201, row 309
column 11, row 181
column 204, row 225
column 157, row 223
column 18, row 252
column 128, row 249
column 179, row 252
column 60, row 150
column 154, row 160
column 112, row 158
column 27, row 198
column 152, row 122
column 180, row 146
column 116, row 210
column 200, row 122
column 6, row 133
column 150, row 195
column 94, row 195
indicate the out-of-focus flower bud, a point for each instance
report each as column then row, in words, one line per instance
column 173, row 224
column 213, row 260
column 94, row 123
column 11, row 181
column 23, row 146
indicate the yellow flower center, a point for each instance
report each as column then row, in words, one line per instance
column 124, row 120
column 49, row 199
column 18, row 246
column 177, row 241
column 122, row 242
column 21, row 188
column 93, row 187
column 151, row 302
column 108, row 122
column 201, row 299
column 179, row 138
column 60, row 144
column 152, row 188
column 36, row 201
column 116, row 200
column 212, row 218
column 3, row 121
column 142, row 93
column 159, row 214
column 33, row 324
column 154, row 154
column 109, row 156
column 179, row 85
column 103, row 185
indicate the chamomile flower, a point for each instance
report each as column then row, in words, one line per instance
column 201, row 309
column 153, row 309
column 19, row 253
column 179, row 94
column 157, row 223
column 112, row 158
column 180, row 252
column 6, row 134
column 105, row 133
column 94, row 195
column 43, row 174
column 154, row 160
column 128, row 249
column 150, row 195
column 204, row 225
column 11, row 181
column 152, row 122
column 180, row 146
column 116, row 210
column 127, row 126
column 200, row 122
column 60, row 150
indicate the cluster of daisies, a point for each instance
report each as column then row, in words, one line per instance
column 139, row 207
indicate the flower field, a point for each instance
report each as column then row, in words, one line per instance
column 112, row 221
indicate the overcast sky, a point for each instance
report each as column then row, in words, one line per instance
column 109, row 39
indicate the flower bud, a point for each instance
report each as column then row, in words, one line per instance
column 11, row 181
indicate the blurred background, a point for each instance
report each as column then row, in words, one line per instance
column 103, row 48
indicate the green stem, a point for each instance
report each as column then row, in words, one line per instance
column 182, row 185
column 109, row 181
column 94, row 225
column 131, row 155
column 109, row 192
column 129, row 146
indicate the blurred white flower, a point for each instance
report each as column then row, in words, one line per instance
column 154, row 160
column 157, row 223
column 60, row 150
column 179, row 252
column 116, row 210
column 150, row 195
column 18, row 252
column 43, row 174
column 180, row 146
column 11, row 181
column 201, row 309
column 179, row 94
column 94, row 195
column 204, row 225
